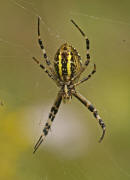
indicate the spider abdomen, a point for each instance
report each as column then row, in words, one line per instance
column 67, row 62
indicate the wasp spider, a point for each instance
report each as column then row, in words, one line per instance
column 66, row 72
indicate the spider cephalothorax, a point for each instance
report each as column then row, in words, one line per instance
column 66, row 92
column 66, row 73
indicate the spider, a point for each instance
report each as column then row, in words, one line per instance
column 66, row 70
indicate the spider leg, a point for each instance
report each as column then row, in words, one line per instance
column 92, row 109
column 46, row 71
column 43, row 67
column 86, row 78
column 87, row 46
column 48, row 124
column 43, row 49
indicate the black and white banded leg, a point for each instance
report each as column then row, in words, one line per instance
column 93, row 110
column 86, row 78
column 87, row 45
column 43, row 49
column 48, row 124
column 43, row 67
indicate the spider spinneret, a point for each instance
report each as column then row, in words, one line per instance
column 66, row 73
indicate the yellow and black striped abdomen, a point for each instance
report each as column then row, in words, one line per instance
column 67, row 62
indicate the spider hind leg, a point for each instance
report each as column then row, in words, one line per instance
column 93, row 110
column 48, row 124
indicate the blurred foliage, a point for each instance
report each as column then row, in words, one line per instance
column 27, row 93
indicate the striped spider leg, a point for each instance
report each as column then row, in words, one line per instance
column 86, row 78
column 43, row 67
column 54, row 78
column 87, row 51
column 87, row 59
column 92, row 109
column 48, row 124
column 51, row 73
column 44, row 51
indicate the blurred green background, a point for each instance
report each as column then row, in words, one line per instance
column 71, row 150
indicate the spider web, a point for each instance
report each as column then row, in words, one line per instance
column 67, row 165
column 99, row 18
